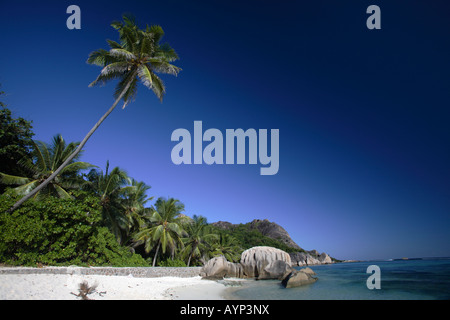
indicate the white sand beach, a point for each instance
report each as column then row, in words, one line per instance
column 66, row 287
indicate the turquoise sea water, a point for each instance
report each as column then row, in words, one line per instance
column 427, row 279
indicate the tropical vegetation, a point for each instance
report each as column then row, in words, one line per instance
column 138, row 57
column 97, row 217
column 41, row 162
column 15, row 141
column 80, row 214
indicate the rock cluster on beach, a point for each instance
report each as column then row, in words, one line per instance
column 277, row 232
column 260, row 263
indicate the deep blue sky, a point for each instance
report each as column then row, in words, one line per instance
column 363, row 114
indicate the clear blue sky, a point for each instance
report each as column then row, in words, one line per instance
column 363, row 114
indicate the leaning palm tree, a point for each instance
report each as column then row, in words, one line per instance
column 138, row 56
column 165, row 230
column 199, row 238
column 108, row 187
column 44, row 160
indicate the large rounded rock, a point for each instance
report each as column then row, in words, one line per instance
column 308, row 271
column 298, row 278
column 220, row 267
column 255, row 260
column 277, row 269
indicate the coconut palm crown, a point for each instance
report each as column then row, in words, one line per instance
column 138, row 56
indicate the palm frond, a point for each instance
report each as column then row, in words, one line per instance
column 130, row 94
column 114, row 45
column 117, row 25
column 157, row 31
column 69, row 149
column 29, row 166
column 100, row 58
column 56, row 149
column 76, row 166
column 145, row 76
column 156, row 217
column 26, row 188
column 166, row 52
column 161, row 66
column 41, row 154
column 122, row 54
column 116, row 67
column 62, row 193
column 13, row 180
column 112, row 71
column 158, row 232
column 128, row 33
column 43, row 161
column 102, row 79
column 158, row 87
column 147, row 44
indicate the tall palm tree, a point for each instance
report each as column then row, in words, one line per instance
column 199, row 238
column 134, row 201
column 108, row 186
column 165, row 230
column 227, row 246
column 138, row 57
column 44, row 160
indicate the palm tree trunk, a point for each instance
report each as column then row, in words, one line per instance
column 73, row 155
column 156, row 254
column 190, row 255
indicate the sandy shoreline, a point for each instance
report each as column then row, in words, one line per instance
column 65, row 286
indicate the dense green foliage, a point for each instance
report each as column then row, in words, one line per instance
column 15, row 141
column 248, row 237
column 106, row 218
column 56, row 231
column 101, row 217
column 172, row 263
column 199, row 238
column 41, row 162
column 164, row 228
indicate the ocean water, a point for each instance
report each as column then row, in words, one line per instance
column 427, row 279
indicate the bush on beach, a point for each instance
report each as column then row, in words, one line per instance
column 59, row 232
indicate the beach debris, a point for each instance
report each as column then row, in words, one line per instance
column 84, row 290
